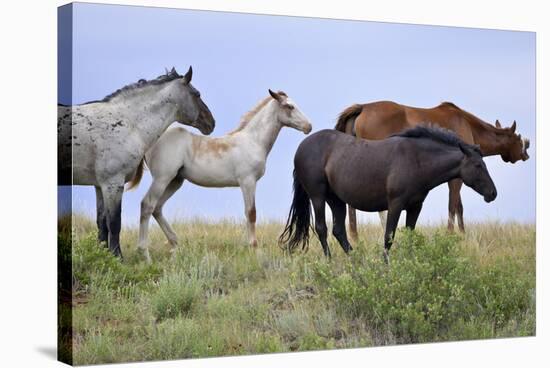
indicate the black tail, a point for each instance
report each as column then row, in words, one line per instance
column 297, row 227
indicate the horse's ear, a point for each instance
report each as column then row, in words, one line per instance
column 497, row 124
column 188, row 76
column 513, row 127
column 275, row 95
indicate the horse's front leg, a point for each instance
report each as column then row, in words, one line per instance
column 112, row 201
column 394, row 211
column 383, row 215
column 248, row 187
column 460, row 212
column 454, row 199
column 413, row 212
column 101, row 218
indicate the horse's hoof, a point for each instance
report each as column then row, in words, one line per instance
column 173, row 252
column 145, row 254
column 386, row 257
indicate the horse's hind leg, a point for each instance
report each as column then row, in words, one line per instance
column 172, row 188
column 320, row 222
column 353, row 223
column 248, row 187
column 338, row 208
column 148, row 205
column 101, row 217
column 112, row 199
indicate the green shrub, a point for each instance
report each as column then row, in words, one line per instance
column 428, row 290
column 312, row 341
column 504, row 291
column 94, row 265
column 176, row 295
column 268, row 344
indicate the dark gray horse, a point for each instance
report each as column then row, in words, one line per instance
column 393, row 174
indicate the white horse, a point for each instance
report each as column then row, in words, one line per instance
column 234, row 160
column 102, row 143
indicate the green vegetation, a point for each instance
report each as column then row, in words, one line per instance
column 216, row 296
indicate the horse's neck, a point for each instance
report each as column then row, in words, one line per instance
column 149, row 114
column 486, row 137
column 445, row 168
column 264, row 128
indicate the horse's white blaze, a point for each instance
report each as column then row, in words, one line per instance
column 236, row 159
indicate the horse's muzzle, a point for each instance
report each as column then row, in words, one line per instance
column 490, row 196
column 206, row 130
column 526, row 143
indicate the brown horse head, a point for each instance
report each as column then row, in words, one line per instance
column 514, row 146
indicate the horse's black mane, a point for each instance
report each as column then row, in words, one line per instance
column 442, row 135
column 169, row 76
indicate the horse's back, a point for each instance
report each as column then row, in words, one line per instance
column 379, row 120
column 354, row 169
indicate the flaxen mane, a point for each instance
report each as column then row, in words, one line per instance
column 442, row 135
column 245, row 119
column 169, row 76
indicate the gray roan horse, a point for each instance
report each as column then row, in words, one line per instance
column 393, row 174
column 102, row 143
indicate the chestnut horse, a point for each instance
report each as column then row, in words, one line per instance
column 379, row 120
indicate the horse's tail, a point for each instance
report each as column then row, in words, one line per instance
column 137, row 177
column 297, row 226
column 348, row 113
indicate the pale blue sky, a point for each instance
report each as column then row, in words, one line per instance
column 324, row 65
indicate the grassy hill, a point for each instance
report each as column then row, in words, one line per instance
column 216, row 296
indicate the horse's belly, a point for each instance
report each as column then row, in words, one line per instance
column 208, row 177
column 364, row 201
column 363, row 192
